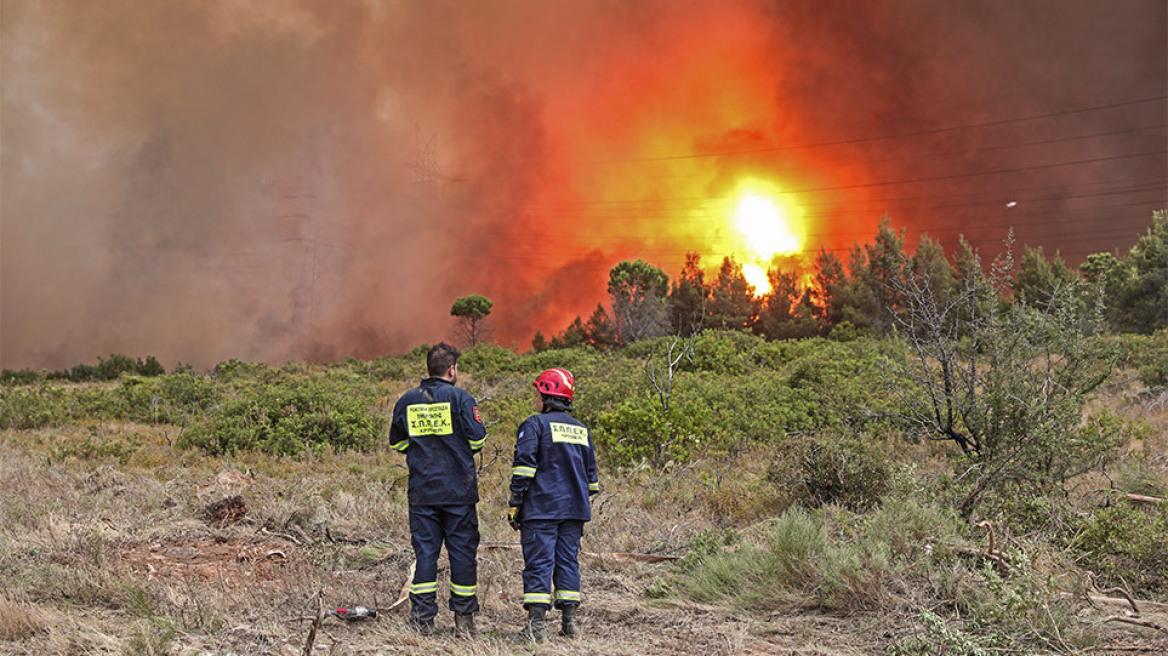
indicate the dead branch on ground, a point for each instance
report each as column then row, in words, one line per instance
column 315, row 624
column 1128, row 620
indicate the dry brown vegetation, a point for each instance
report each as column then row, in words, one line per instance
column 162, row 551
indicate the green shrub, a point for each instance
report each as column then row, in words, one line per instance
column 388, row 368
column 938, row 638
column 487, row 361
column 100, row 402
column 23, row 408
column 724, row 352
column 115, row 365
column 853, row 472
column 95, row 447
column 638, row 430
column 758, row 408
column 170, row 399
column 591, row 367
column 911, row 529
column 1127, row 544
column 291, row 418
column 904, row 554
column 706, row 544
column 1155, row 375
column 20, row 376
column 233, row 369
column 1140, row 351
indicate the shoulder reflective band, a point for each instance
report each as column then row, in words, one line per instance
column 569, row 433
column 429, row 419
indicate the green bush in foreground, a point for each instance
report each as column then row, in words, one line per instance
column 1127, row 545
column 170, row 399
column 816, row 470
column 291, row 418
column 24, row 408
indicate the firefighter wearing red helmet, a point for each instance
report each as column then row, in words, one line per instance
column 552, row 481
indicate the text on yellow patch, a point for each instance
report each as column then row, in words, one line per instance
column 429, row 419
column 569, row 433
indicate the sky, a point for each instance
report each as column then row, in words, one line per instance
column 289, row 181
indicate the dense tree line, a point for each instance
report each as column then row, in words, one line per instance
column 862, row 292
column 110, row 368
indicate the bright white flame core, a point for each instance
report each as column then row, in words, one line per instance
column 765, row 227
column 756, row 276
column 767, row 232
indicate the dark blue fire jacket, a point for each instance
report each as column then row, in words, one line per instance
column 438, row 427
column 554, row 469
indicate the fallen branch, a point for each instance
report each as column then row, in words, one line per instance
column 992, row 553
column 315, row 624
column 282, row 536
column 495, row 546
column 336, row 539
column 1117, row 601
column 1107, row 650
column 1139, row 498
column 635, row 557
column 1126, row 595
column 1127, row 620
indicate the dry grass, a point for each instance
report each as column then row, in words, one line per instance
column 119, row 556
column 19, row 621
column 116, row 553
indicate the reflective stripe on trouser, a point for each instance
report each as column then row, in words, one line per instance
column 550, row 551
column 458, row 528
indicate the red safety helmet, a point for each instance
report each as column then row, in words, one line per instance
column 556, row 382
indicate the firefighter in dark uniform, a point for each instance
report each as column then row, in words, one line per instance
column 439, row 428
column 552, row 481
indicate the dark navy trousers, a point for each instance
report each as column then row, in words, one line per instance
column 550, row 551
column 458, row 527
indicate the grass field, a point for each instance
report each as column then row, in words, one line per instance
column 113, row 540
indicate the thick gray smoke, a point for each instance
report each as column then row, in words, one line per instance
column 301, row 180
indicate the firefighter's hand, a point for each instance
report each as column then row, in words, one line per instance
column 513, row 517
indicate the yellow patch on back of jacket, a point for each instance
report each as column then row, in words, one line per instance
column 429, row 419
column 569, row 433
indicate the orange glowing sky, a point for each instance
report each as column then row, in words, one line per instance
column 290, row 180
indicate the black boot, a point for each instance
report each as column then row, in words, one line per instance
column 535, row 630
column 464, row 624
column 568, row 625
column 421, row 626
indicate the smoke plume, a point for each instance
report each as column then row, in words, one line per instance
column 297, row 180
